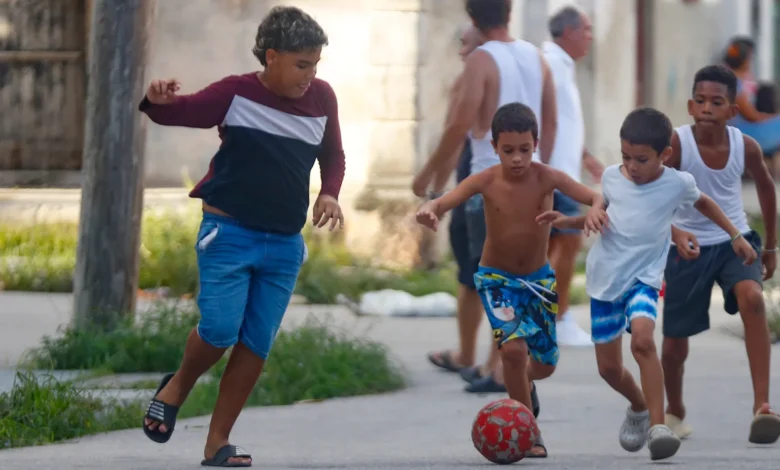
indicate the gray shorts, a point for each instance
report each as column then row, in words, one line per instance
column 689, row 285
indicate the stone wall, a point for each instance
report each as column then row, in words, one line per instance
column 391, row 63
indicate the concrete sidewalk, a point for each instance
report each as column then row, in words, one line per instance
column 428, row 425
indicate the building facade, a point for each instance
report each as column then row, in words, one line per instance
column 391, row 63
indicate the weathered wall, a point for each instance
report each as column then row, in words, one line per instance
column 688, row 42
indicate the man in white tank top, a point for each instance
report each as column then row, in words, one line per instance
column 570, row 29
column 501, row 71
column 717, row 155
column 470, row 310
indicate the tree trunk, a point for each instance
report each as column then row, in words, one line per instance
column 106, row 276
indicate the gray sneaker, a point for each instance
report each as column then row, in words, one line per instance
column 633, row 432
column 662, row 442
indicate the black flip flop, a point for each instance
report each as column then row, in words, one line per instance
column 161, row 412
column 220, row 459
column 470, row 374
column 444, row 360
column 485, row 385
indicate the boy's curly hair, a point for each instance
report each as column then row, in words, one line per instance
column 288, row 29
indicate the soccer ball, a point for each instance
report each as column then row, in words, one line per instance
column 504, row 431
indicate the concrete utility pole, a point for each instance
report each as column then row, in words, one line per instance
column 106, row 276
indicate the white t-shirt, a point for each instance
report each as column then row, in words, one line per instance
column 636, row 243
column 570, row 137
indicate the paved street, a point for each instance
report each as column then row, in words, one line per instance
column 428, row 425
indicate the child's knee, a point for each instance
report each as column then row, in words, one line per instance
column 610, row 370
column 515, row 353
column 643, row 345
column 542, row 371
column 674, row 351
column 750, row 298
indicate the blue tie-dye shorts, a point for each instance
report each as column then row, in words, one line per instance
column 609, row 320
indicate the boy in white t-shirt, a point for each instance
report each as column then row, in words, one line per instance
column 625, row 268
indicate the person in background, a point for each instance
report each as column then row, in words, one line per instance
column 500, row 71
column 757, row 117
column 570, row 29
column 469, row 304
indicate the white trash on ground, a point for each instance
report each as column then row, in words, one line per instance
column 397, row 303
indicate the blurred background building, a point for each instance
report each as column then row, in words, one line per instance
column 391, row 63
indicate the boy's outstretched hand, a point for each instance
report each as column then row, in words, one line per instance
column 554, row 218
column 163, row 91
column 743, row 249
column 427, row 216
column 596, row 220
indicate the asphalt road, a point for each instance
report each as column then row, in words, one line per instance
column 428, row 425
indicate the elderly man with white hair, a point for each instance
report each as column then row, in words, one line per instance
column 570, row 29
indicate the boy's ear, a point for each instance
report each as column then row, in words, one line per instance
column 494, row 144
column 666, row 154
column 733, row 111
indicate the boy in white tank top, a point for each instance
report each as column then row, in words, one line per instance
column 717, row 155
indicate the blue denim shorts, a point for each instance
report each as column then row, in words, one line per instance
column 247, row 278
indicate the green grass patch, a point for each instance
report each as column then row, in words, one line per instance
column 314, row 361
column 43, row 410
column 153, row 342
column 42, row 257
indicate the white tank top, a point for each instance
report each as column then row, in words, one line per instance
column 520, row 80
column 724, row 186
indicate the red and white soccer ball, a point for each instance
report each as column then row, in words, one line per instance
column 504, row 431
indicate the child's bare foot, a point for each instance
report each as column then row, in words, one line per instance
column 765, row 428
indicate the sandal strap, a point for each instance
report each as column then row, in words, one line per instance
column 162, row 412
column 228, row 451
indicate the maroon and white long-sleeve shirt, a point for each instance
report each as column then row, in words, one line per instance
column 260, row 174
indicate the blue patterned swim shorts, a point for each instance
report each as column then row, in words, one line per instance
column 522, row 307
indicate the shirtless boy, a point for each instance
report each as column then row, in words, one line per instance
column 717, row 155
column 514, row 279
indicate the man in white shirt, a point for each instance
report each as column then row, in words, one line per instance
column 502, row 70
column 570, row 29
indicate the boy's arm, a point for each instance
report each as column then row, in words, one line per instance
column 741, row 247
column 710, row 209
column 465, row 103
column 331, row 157
column 765, row 187
column 461, row 193
column 692, row 196
column 443, row 174
column 577, row 191
column 549, row 118
column 205, row 109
